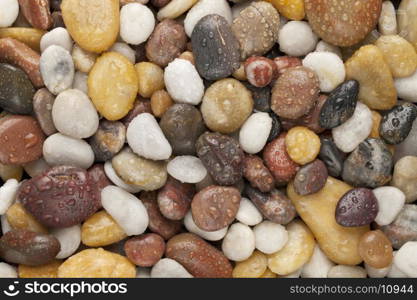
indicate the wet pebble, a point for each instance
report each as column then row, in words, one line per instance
column 187, row 169
column 161, row 101
column 397, row 122
column 239, row 242
column 43, row 101
column 375, row 249
column 302, row 145
column 254, row 133
column 108, row 140
column 257, row 173
column 390, row 202
column 260, row 71
column 175, row 8
column 297, row 39
column 136, row 23
column 358, row 207
column 310, row 178
column 331, row 156
column 270, row 237
column 145, row 250
column 207, row 235
column 248, row 214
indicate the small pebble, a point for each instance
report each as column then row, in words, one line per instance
column 387, row 23
column 207, row 235
column 187, row 169
column 390, row 202
column 69, row 238
column 297, row 39
column 125, row 50
column 254, row 132
column 145, row 250
column 375, row 249
column 323, row 46
column 331, row 156
column 257, row 173
column 43, row 102
column 139, row 106
column 310, row 178
column 260, row 71
column 302, row 144
column 108, row 140
column 151, row 78
column 83, row 59
column 174, row 9
column 161, row 101
column 397, row 123
column 407, row 87
column 318, row 266
column 253, row 267
column 261, row 97
column 248, row 214
column 9, row 13
column 111, row 174
column 343, row 271
column 406, row 260
column 6, row 270
column 270, row 237
column 239, row 242
column 19, row 218
column 404, row 177
column 58, row 36
column 169, row 268
column 8, row 194
column 136, row 23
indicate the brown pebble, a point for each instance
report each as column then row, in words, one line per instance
column 257, row 173
column 145, row 250
column 375, row 249
column 37, row 12
column 43, row 101
column 108, row 140
column 311, row 178
column 161, row 101
column 140, row 106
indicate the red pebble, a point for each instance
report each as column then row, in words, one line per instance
column 284, row 62
column 260, row 71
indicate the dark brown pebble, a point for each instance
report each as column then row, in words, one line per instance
column 311, row 178
column 140, row 106
column 108, row 140
column 37, row 12
column 257, row 173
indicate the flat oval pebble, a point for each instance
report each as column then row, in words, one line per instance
column 16, row 90
column 296, row 38
column 113, row 89
column 349, row 22
column 19, row 218
column 254, row 133
column 311, row 178
column 60, row 197
column 187, row 169
column 340, row 105
column 207, row 235
column 69, row 238
column 182, row 124
column 358, row 207
column 145, row 250
column 57, row 69
column 169, row 268
column 404, row 177
column 217, row 56
column 215, row 207
column 108, row 140
column 43, row 101
column 369, row 165
column 257, row 173
column 199, row 257
column 59, row 149
column 94, row 25
column 355, row 130
column 295, row 92
column 22, row 139
column 175, row 8
column 239, row 242
column 222, row 157
column 58, row 36
column 274, row 206
column 136, row 23
column 390, row 202
column 397, row 122
column 74, row 114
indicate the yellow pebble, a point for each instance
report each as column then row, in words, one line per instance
column 376, row 121
column 253, row 267
column 113, row 85
column 101, row 230
column 10, row 171
column 268, row 274
column 151, row 78
column 291, row 9
column 29, row 36
column 302, row 144
column 49, row 270
column 97, row 263
column 18, row 218
column 160, row 102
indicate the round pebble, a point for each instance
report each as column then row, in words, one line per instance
column 187, row 168
column 207, row 235
column 57, row 69
column 323, row 46
column 69, row 238
column 8, row 194
column 59, row 149
column 146, row 138
column 257, row 173
column 270, row 237
column 297, row 39
column 9, row 12
column 260, row 71
column 161, row 101
column 169, row 268
column 127, row 210
column 255, row 132
column 183, row 82
column 390, row 202
column 111, row 174
column 57, row 36
column 136, row 23
column 302, row 144
column 375, row 249
column 108, row 140
column 239, row 242
column 151, row 78
column 397, row 123
column 248, row 214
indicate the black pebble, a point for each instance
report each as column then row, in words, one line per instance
column 396, row 124
column 331, row 156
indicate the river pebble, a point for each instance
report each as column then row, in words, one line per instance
column 343, row 271
column 255, row 132
column 19, row 218
column 248, row 214
column 239, row 242
column 404, row 177
column 69, row 238
column 136, row 23
column 112, row 175
column 125, row 50
column 302, row 145
column 253, row 267
column 375, row 249
column 169, row 268
column 397, row 123
column 390, row 202
column 43, row 101
column 9, row 13
column 310, row 178
column 297, row 39
column 387, row 23
column 108, row 140
column 151, row 78
column 8, row 194
column 187, row 168
column 405, row 259
column 257, row 173
column 270, row 237
column 318, row 266
column 207, row 235
column 58, row 36
column 145, row 250
column 6, row 270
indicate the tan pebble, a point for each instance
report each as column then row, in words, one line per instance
column 407, row 21
column 240, row 74
column 151, row 78
column 161, row 101
column 19, row 218
column 83, row 59
column 10, row 171
column 175, row 8
column 188, row 55
column 29, row 36
column 253, row 267
column 302, row 145
column 49, row 270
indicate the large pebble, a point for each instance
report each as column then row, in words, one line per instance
column 136, row 23
column 182, row 124
column 297, row 39
column 207, row 235
column 128, row 211
column 407, row 21
column 74, row 114
column 169, row 268
column 146, row 138
column 390, row 202
column 397, row 123
column 183, row 82
column 108, row 140
column 369, row 165
column 112, row 85
column 255, row 132
column 60, row 197
column 248, row 213
column 8, row 194
column 406, row 259
column 318, row 266
column 217, row 56
column 355, row 130
column 343, row 23
column 256, row 27
column 147, row 174
column 112, row 175
column 370, row 69
column 16, row 90
column 9, row 12
column 187, row 169
column 57, row 69
column 405, row 176
column 226, row 105
column 270, row 237
column 199, row 257
column 94, row 25
column 28, row 248
column 222, row 157
column 59, row 149
column 43, row 101
column 69, row 238
column 58, row 36
column 239, row 242
column 318, row 211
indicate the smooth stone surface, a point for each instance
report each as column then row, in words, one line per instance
column 407, row 87
column 397, row 123
column 270, row 237
column 404, row 177
column 43, row 101
column 58, row 36
column 112, row 175
column 8, row 194
column 207, row 235
column 407, row 21
column 9, row 13
column 296, row 38
column 254, row 133
column 69, row 238
column 318, row 266
column 406, row 259
column 108, row 140
column 248, row 213
column 6, row 270
column 390, row 202
column 169, row 268
column 136, row 23
column 239, row 242
column 187, row 169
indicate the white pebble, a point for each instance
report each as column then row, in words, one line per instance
column 407, row 87
column 127, row 210
column 248, row 213
column 239, row 242
column 328, row 67
column 390, row 202
column 395, row 272
column 377, row 273
column 8, row 194
column 355, row 130
column 136, row 23
column 112, row 175
column 69, row 238
column 146, row 138
column 204, row 8
column 6, row 270
column 36, row 167
column 80, row 82
column 296, row 38
column 187, row 168
column 143, row 273
column 8, row 12
column 387, row 23
column 270, row 237
column 406, row 259
column 59, row 149
column 255, row 132
column 318, row 266
column 74, row 114
column 323, row 46
column 183, row 82
column 125, row 50
column 58, row 36
column 408, row 146
column 57, row 69
column 169, row 268
column 343, row 271
column 207, row 235
column 5, row 226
